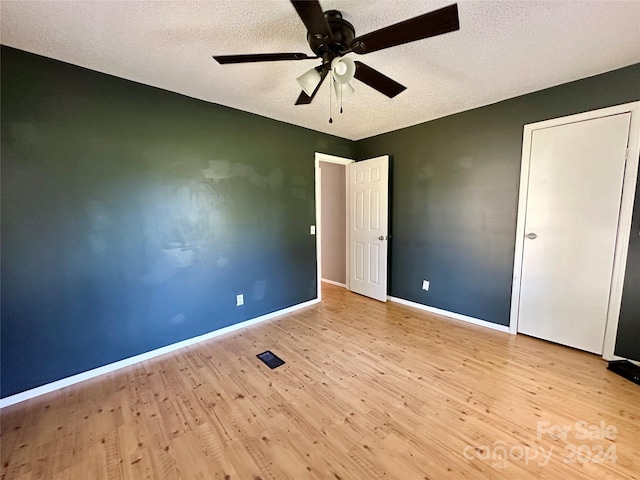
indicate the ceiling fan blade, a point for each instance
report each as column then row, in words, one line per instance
column 260, row 57
column 377, row 80
column 428, row 25
column 303, row 98
column 310, row 12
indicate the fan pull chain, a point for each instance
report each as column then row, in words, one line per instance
column 340, row 98
column 330, row 85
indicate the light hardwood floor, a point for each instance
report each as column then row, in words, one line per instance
column 369, row 391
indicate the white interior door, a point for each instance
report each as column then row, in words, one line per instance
column 576, row 173
column 368, row 231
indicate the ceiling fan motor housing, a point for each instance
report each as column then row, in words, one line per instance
column 343, row 34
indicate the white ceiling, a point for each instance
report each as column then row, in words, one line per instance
column 503, row 49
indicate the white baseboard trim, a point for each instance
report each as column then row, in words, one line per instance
column 612, row 358
column 456, row 316
column 343, row 285
column 112, row 367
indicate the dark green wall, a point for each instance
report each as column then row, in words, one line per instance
column 131, row 217
column 628, row 340
column 455, row 194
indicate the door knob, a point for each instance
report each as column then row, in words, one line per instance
column 381, row 237
column 532, row 236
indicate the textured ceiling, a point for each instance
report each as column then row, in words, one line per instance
column 503, row 49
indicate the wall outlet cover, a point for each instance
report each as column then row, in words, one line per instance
column 312, row 230
column 239, row 300
column 425, row 284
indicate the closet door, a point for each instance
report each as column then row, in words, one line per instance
column 576, row 172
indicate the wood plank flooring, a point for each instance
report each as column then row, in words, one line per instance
column 369, row 391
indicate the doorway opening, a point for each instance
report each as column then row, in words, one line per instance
column 332, row 220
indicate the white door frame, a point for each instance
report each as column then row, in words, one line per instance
column 323, row 157
column 624, row 224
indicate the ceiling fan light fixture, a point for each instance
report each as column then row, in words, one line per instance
column 309, row 80
column 343, row 90
column 330, row 36
column 344, row 68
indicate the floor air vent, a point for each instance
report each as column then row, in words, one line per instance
column 270, row 359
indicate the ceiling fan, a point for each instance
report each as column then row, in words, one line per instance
column 331, row 38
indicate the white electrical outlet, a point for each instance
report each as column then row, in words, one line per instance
column 425, row 285
column 312, row 230
column 239, row 300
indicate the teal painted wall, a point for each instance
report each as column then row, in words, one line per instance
column 454, row 201
column 132, row 216
column 628, row 339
